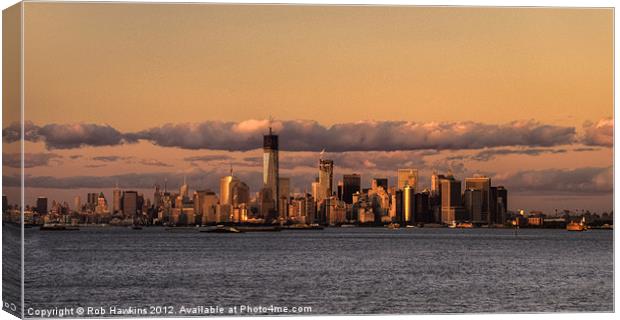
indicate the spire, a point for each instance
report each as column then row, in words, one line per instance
column 231, row 169
column 185, row 179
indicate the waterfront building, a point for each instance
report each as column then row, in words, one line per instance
column 326, row 177
column 407, row 177
column 451, row 205
column 271, row 169
column 116, row 200
column 472, row 201
column 422, row 211
column 483, row 184
column 351, row 183
column 408, row 204
column 335, row 211
column 42, row 205
column 130, row 203
column 208, row 203
column 77, row 204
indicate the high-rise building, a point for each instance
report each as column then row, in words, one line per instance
column 379, row 182
column 407, row 177
column 472, row 201
column 184, row 189
column 91, row 200
column 483, row 184
column 233, row 191
column 351, row 183
column 284, row 186
column 271, row 169
column 408, row 205
column 77, row 204
column 42, row 205
column 116, row 200
column 130, row 203
column 436, row 183
column 451, row 207
column 326, row 179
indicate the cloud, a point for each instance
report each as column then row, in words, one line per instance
column 208, row 158
column 307, row 135
column 67, row 136
column 153, row 163
column 31, row 160
column 600, row 133
column 110, row 158
column 585, row 180
column 490, row 154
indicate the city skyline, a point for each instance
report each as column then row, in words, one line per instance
column 437, row 88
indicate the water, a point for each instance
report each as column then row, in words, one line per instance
column 333, row 271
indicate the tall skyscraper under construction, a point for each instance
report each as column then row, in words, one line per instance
column 271, row 170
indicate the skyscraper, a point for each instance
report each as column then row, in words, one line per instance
column 408, row 205
column 184, row 190
column 483, row 184
column 116, row 200
column 451, row 208
column 42, row 205
column 130, row 203
column 407, row 177
column 351, row 183
column 77, row 204
column 326, row 179
column 271, row 168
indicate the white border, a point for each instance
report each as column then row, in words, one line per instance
column 540, row 3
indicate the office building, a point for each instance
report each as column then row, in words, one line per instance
column 483, row 184
column 351, row 183
column 271, row 169
column 42, row 205
column 326, row 179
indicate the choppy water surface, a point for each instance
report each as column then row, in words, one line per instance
column 337, row 270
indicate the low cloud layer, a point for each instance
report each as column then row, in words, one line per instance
column 31, row 160
column 600, row 133
column 306, row 135
column 586, row 180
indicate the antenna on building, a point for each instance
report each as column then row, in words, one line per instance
column 321, row 154
column 270, row 122
column 165, row 185
column 231, row 169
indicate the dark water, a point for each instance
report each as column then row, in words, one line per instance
column 344, row 270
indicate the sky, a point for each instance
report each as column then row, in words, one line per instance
column 137, row 93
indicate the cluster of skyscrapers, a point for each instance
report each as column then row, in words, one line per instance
column 329, row 203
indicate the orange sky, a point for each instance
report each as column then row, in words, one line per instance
column 135, row 65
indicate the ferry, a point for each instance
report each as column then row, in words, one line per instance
column 577, row 226
column 222, row 229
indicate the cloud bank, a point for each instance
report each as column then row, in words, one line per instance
column 307, row 135
column 600, row 133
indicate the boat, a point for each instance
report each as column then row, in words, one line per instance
column 577, row 226
column 304, row 226
column 58, row 227
column 348, row 226
column 136, row 227
column 452, row 225
column 222, row 229
column 393, row 226
column 260, row 229
column 465, row 225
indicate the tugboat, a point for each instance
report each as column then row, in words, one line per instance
column 577, row 226
column 222, row 229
